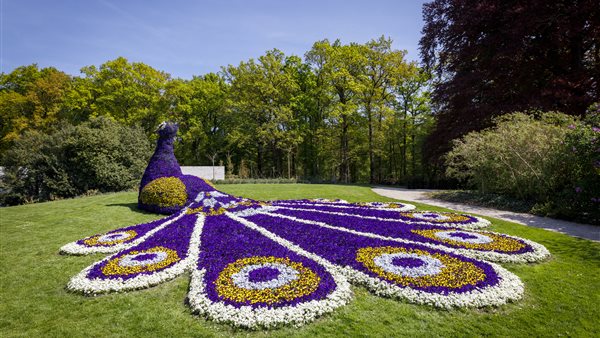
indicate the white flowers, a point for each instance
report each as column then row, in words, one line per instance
column 266, row 317
column 427, row 265
column 285, row 275
column 509, row 288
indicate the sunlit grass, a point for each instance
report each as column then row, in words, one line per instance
column 561, row 294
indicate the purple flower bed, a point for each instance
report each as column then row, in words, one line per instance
column 225, row 241
column 174, row 237
column 410, row 232
column 341, row 249
column 139, row 229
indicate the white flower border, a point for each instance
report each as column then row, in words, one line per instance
column 479, row 224
column 75, row 248
column 81, row 283
column 266, row 317
column 509, row 288
column 539, row 251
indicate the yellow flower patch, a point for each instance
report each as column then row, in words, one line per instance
column 210, row 212
column 498, row 243
column 306, row 283
column 164, row 192
column 454, row 274
column 113, row 267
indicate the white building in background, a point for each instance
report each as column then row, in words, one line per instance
column 209, row 173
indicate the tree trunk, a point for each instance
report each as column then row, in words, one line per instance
column 371, row 159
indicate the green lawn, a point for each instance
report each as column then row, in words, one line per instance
column 561, row 299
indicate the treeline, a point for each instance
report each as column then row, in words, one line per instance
column 344, row 112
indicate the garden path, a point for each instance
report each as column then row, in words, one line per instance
column 586, row 231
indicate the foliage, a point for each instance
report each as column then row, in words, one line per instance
column 496, row 57
column 30, row 99
column 345, row 112
column 97, row 155
column 550, row 159
column 131, row 93
column 578, row 193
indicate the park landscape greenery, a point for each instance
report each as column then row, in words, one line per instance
column 355, row 112
column 344, row 113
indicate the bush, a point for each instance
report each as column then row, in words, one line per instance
column 550, row 158
column 578, row 188
column 99, row 155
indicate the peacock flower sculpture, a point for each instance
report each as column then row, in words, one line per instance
column 260, row 264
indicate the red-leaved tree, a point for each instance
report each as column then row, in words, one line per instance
column 494, row 57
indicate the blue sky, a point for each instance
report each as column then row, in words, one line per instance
column 186, row 38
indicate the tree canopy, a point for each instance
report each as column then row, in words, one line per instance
column 494, row 57
column 343, row 112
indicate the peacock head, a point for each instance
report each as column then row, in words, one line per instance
column 167, row 129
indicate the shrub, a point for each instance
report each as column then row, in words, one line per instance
column 97, row 155
column 579, row 181
column 549, row 158
column 515, row 158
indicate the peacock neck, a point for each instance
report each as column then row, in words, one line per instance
column 163, row 162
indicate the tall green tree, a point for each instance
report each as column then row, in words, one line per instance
column 260, row 103
column 31, row 98
column 382, row 67
column 129, row 92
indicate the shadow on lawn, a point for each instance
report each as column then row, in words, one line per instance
column 131, row 206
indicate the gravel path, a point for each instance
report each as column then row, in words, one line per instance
column 586, row 231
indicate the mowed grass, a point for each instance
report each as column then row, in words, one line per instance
column 562, row 294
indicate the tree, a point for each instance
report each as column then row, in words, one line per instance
column 31, row 98
column 494, row 57
column 412, row 106
column 261, row 93
column 382, row 68
column 131, row 93
column 200, row 107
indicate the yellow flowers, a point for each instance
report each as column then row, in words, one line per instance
column 498, row 243
column 210, row 212
column 134, row 262
column 164, row 192
column 303, row 281
column 453, row 273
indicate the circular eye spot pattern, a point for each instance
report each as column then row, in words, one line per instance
column 475, row 240
column 419, row 268
column 136, row 262
column 265, row 280
column 465, row 237
column 143, row 259
column 408, row 264
column 264, row 276
column 112, row 238
column 437, row 217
